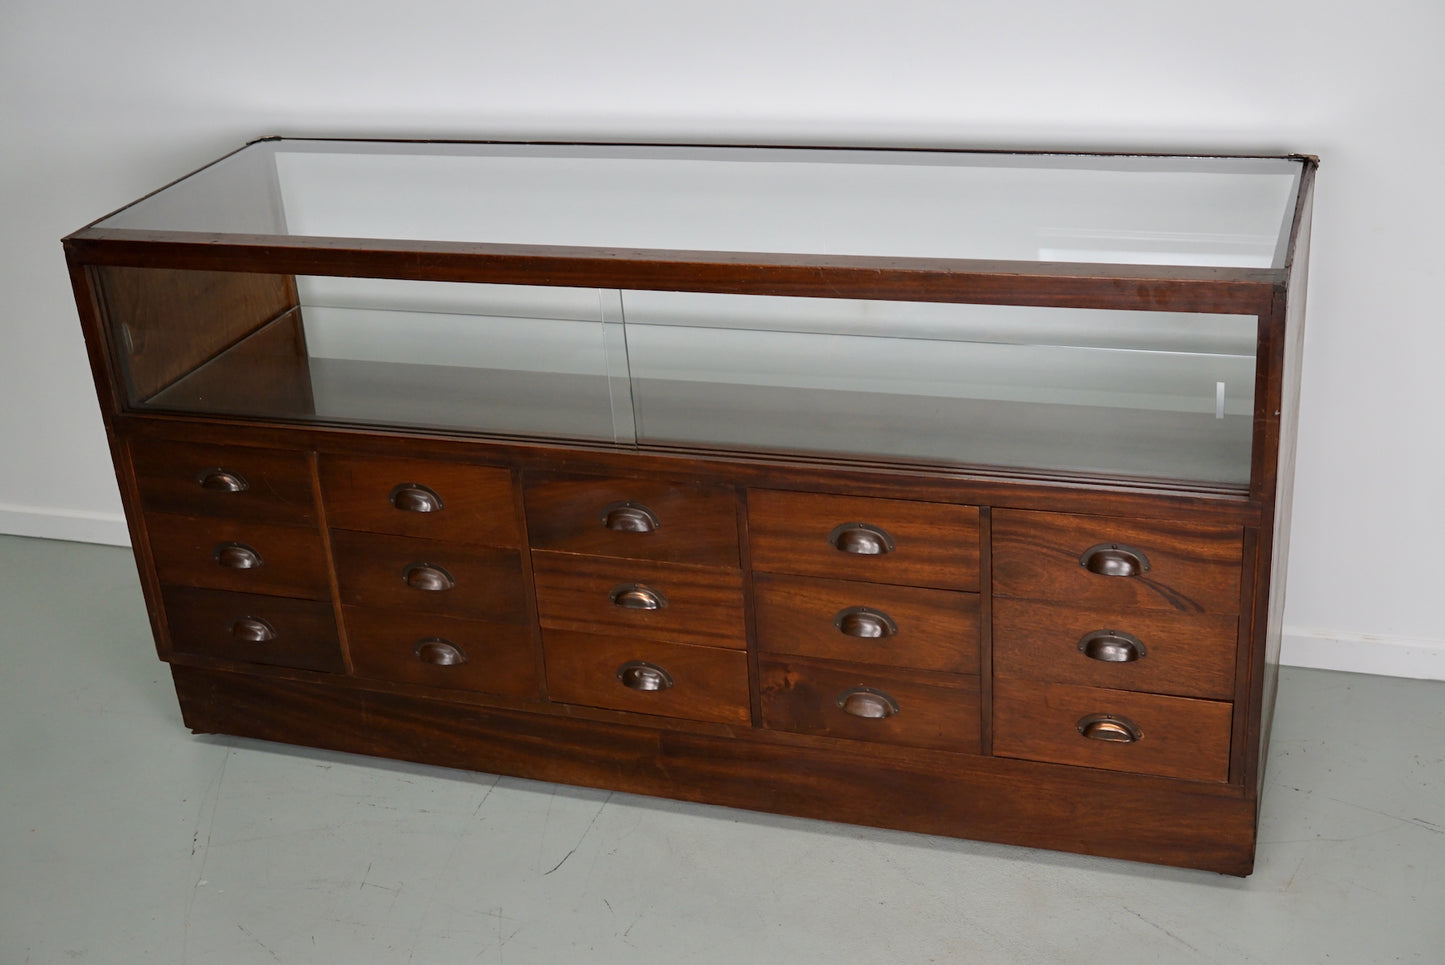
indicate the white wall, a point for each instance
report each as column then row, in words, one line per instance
column 101, row 101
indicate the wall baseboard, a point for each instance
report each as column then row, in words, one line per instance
column 1363, row 653
column 65, row 524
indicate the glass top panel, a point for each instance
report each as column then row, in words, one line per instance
column 1118, row 209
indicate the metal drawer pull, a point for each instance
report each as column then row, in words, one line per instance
column 629, row 518
column 416, row 498
column 1107, row 727
column 238, row 556
column 1114, row 559
column 427, row 576
column 1112, row 646
column 862, row 539
column 860, row 621
column 867, row 703
column 222, row 481
column 641, row 675
column 439, row 652
column 253, row 630
column 635, row 596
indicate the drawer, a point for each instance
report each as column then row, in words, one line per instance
column 648, row 677
column 1176, row 736
column 654, row 601
column 635, row 519
column 856, row 538
column 250, row 628
column 917, row 709
column 1186, row 654
column 490, row 658
column 868, row 623
column 260, row 485
column 1155, row 564
column 423, row 499
column 230, row 554
column 429, row 576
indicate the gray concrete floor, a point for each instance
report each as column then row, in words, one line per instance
column 125, row 839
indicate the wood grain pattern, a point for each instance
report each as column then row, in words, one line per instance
column 935, row 710
column 697, row 523
column 1193, row 567
column 936, row 629
column 1182, row 737
column 704, row 605
column 1187, row 655
column 169, row 476
column 499, row 657
column 708, row 683
column 936, row 544
column 293, row 562
column 371, row 572
column 477, row 504
column 201, row 622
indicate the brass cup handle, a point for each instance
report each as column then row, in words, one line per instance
column 222, row 481
column 1112, row 646
column 867, row 703
column 627, row 517
column 635, row 596
column 253, row 630
column 428, row 577
column 1114, row 559
column 866, row 623
column 1111, row 728
column 641, row 675
column 439, row 652
column 415, row 498
column 862, row 539
column 238, row 556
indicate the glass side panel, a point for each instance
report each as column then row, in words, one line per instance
column 928, row 204
column 1149, row 394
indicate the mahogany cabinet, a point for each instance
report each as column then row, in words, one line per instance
column 933, row 490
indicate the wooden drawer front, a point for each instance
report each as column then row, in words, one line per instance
column 490, row 658
column 262, row 485
column 476, row 582
column 927, row 544
column 933, row 710
column 252, row 629
column 423, row 499
column 1190, row 655
column 702, row 683
column 696, row 604
column 922, row 629
column 1192, row 567
column 635, row 519
column 213, row 553
column 1179, row 737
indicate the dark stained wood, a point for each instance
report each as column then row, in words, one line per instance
column 935, row 710
column 1193, row 567
column 936, row 629
column 696, row 523
column 1186, row 654
column 498, row 657
column 702, row 605
column 185, row 548
column 170, row 476
column 708, row 683
column 178, row 319
column 371, row 571
column 1182, row 737
column 476, row 501
column 935, row 544
column 266, row 373
column 203, row 621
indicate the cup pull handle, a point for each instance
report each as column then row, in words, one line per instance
column 866, row 623
column 428, row 577
column 237, row 556
column 416, row 498
column 439, row 652
column 1112, row 646
column 1114, row 559
column 641, row 675
column 1111, row 728
column 635, row 596
column 629, row 518
column 862, row 539
column 222, row 481
column 253, row 630
column 867, row 703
